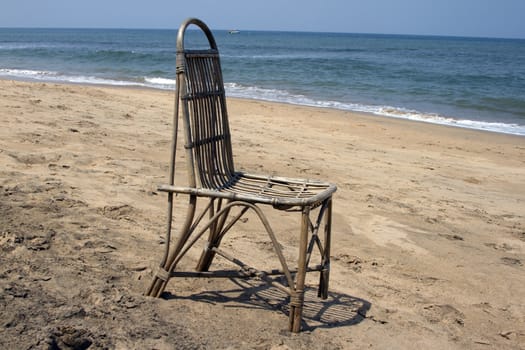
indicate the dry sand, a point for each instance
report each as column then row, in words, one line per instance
column 429, row 229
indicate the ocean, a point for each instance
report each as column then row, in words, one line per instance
column 473, row 83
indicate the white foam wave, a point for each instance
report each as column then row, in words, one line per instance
column 275, row 95
column 50, row 76
column 160, row 82
column 26, row 73
column 506, row 128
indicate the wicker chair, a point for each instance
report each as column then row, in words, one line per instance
column 230, row 194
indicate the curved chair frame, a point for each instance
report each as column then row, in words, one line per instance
column 212, row 176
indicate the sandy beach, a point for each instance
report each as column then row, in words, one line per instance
column 428, row 228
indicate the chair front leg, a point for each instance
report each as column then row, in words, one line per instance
column 297, row 291
column 325, row 259
column 214, row 239
column 168, row 264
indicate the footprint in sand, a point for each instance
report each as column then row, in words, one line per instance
column 119, row 212
column 385, row 232
column 511, row 261
column 444, row 314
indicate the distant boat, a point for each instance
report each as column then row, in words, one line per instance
column 234, row 31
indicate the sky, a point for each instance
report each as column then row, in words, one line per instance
column 478, row 18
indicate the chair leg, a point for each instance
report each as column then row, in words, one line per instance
column 171, row 256
column 162, row 276
column 207, row 256
column 297, row 292
column 325, row 259
column 214, row 240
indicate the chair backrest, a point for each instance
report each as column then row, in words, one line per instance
column 201, row 93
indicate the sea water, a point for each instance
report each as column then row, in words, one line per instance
column 475, row 83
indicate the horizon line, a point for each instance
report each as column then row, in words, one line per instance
column 276, row 30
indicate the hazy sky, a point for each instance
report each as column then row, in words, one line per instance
column 486, row 18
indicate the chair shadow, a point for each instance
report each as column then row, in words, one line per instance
column 338, row 310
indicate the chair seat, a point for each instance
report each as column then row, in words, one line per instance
column 280, row 192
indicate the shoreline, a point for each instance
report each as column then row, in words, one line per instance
column 428, row 227
column 428, row 128
column 392, row 112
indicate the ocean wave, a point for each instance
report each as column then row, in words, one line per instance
column 27, row 73
column 272, row 95
column 275, row 95
column 160, row 83
column 401, row 113
column 50, row 76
